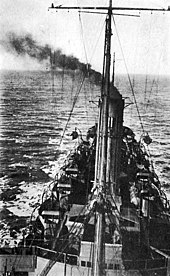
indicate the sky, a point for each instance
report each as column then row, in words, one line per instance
column 143, row 43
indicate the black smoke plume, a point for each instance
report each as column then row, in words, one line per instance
column 25, row 45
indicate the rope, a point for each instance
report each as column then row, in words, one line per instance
column 85, row 51
column 86, row 100
column 156, row 80
column 74, row 102
column 130, row 82
column 78, row 91
column 149, row 43
column 74, row 226
column 97, row 41
column 84, row 46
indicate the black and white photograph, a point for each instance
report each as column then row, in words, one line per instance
column 85, row 138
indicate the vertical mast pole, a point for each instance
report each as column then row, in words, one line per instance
column 99, row 249
column 105, row 98
column 113, row 75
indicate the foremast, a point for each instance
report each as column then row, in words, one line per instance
column 101, row 177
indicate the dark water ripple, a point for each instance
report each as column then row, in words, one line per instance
column 33, row 116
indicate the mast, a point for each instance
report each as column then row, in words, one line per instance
column 109, row 134
column 101, row 178
column 113, row 75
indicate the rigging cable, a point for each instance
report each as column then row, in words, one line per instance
column 71, row 111
column 97, row 41
column 138, row 30
column 95, row 47
column 81, row 25
column 70, row 242
column 87, row 63
column 92, row 55
column 72, row 86
column 84, row 46
column 130, row 82
column 148, row 52
column 74, row 225
column 155, row 81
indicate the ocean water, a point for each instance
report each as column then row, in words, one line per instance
column 35, row 126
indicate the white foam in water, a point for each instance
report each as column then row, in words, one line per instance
column 65, row 148
column 4, row 184
column 26, row 201
column 18, row 165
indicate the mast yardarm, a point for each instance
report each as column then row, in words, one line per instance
column 60, row 7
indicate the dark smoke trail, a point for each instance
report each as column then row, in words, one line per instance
column 23, row 45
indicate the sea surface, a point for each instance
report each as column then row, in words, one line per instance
column 38, row 113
